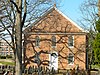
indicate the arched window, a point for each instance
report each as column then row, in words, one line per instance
column 70, row 41
column 53, row 41
column 54, row 55
column 37, row 41
column 70, row 58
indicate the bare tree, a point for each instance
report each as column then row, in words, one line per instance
column 13, row 19
column 18, row 14
column 89, row 17
column 89, row 14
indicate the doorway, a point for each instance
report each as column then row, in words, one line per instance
column 53, row 58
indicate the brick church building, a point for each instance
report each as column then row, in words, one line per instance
column 55, row 41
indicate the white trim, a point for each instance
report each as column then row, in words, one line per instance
column 69, row 19
column 48, row 33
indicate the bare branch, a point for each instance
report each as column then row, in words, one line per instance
column 15, row 6
column 25, row 12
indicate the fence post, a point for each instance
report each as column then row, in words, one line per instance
column 99, row 72
column 53, row 71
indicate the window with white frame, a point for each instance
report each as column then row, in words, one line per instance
column 53, row 41
column 7, row 48
column 70, row 58
column 10, row 49
column 70, row 41
column 37, row 41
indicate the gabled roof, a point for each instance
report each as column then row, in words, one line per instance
column 48, row 12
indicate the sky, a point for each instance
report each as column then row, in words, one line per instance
column 71, row 9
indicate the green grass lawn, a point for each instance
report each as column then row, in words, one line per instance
column 96, row 66
column 6, row 63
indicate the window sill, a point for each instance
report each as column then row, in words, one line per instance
column 71, row 64
column 70, row 46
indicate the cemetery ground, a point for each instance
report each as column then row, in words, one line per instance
column 7, row 65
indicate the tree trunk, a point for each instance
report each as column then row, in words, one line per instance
column 18, row 39
column 99, row 8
